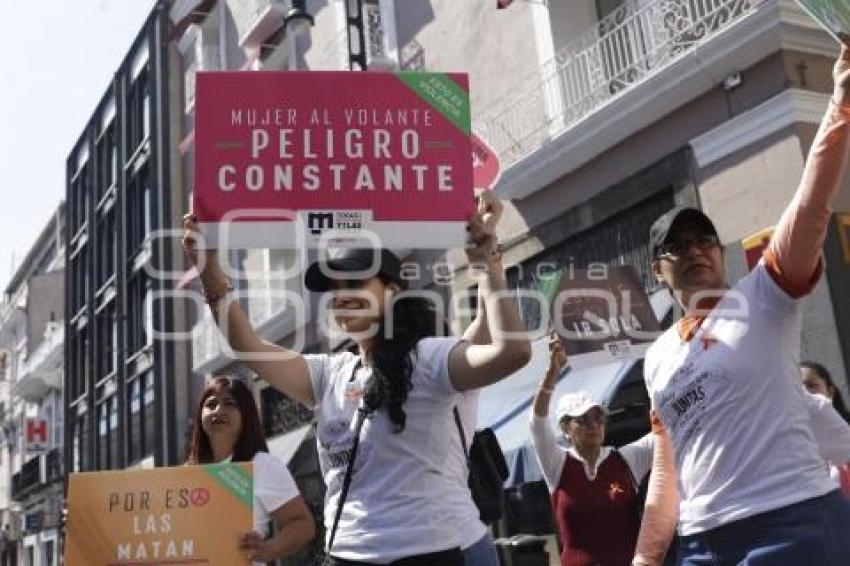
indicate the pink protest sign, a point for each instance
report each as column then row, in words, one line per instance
column 287, row 159
column 485, row 164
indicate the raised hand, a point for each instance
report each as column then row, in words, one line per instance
column 481, row 229
column 557, row 355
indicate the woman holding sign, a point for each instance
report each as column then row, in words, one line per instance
column 384, row 414
column 227, row 428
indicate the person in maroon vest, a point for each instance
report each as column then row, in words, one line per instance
column 594, row 487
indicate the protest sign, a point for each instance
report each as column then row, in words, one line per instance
column 601, row 313
column 486, row 168
column 832, row 15
column 180, row 515
column 284, row 159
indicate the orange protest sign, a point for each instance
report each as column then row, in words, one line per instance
column 180, row 515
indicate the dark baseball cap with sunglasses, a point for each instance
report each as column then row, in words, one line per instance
column 662, row 234
column 353, row 264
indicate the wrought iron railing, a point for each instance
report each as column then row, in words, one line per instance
column 635, row 41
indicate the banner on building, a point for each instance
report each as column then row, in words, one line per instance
column 37, row 435
column 292, row 159
column 832, row 15
column 180, row 515
column 601, row 313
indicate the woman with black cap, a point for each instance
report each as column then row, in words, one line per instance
column 384, row 415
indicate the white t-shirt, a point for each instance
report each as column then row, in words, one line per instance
column 467, row 517
column 396, row 505
column 732, row 403
column 551, row 455
column 273, row 487
column 832, row 433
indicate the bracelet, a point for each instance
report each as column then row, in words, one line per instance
column 214, row 296
column 547, row 389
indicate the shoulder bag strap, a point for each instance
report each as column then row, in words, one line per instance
column 462, row 435
column 362, row 413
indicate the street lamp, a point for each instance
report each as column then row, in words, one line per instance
column 297, row 20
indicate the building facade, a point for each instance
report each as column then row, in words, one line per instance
column 126, row 389
column 31, row 353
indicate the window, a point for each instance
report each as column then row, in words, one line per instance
column 140, row 213
column 78, row 366
column 81, row 192
column 138, row 112
column 137, row 321
column 106, row 249
column 107, row 160
column 79, row 280
column 79, row 460
column 107, row 341
column 107, row 434
column 141, row 429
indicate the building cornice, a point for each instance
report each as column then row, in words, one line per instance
column 780, row 112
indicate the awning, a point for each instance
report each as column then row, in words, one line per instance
column 286, row 445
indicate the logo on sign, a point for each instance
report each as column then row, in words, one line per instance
column 36, row 435
column 338, row 220
column 320, row 221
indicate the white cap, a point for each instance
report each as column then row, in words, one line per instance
column 576, row 404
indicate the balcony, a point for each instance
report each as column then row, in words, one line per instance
column 262, row 18
column 639, row 51
column 43, row 369
column 28, row 479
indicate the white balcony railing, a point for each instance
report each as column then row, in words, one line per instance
column 637, row 40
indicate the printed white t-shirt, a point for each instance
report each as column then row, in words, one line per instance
column 467, row 517
column 551, row 455
column 396, row 505
column 731, row 401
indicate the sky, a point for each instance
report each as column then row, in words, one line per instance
column 57, row 58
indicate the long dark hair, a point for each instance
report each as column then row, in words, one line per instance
column 413, row 318
column 251, row 438
column 823, row 373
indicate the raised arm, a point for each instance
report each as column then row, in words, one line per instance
column 557, row 361
column 490, row 208
column 284, row 369
column 476, row 365
column 550, row 456
column 793, row 255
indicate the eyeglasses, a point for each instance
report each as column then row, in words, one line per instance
column 678, row 248
column 591, row 418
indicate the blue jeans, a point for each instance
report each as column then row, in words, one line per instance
column 482, row 553
column 811, row 532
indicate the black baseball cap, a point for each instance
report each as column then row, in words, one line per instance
column 362, row 263
column 668, row 222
